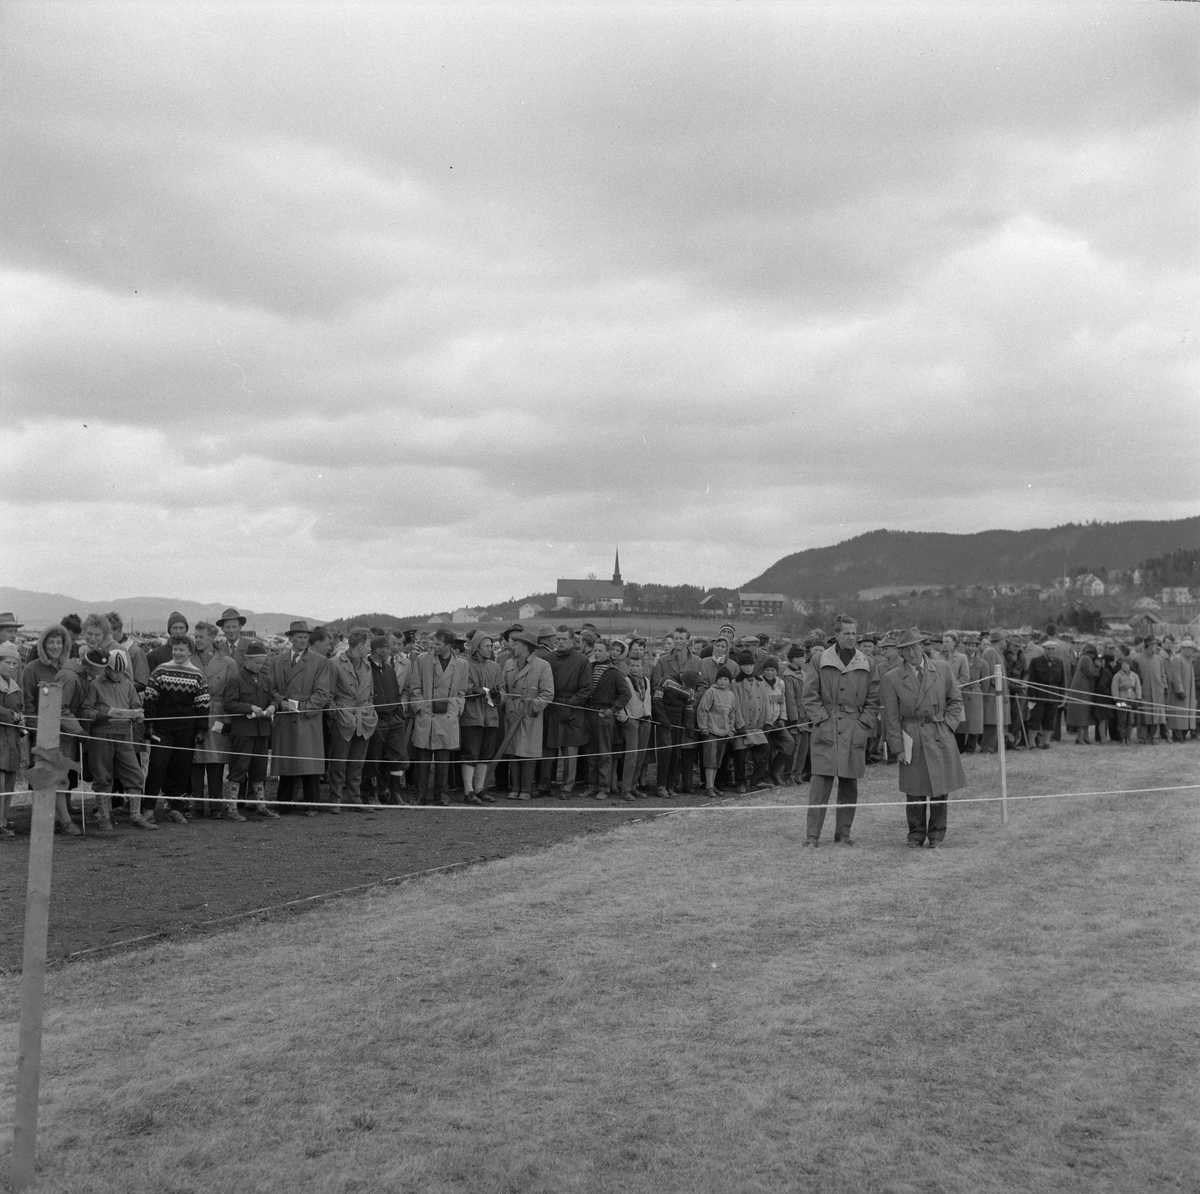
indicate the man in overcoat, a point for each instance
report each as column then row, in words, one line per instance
column 922, row 706
column 300, row 683
column 993, row 720
column 841, row 700
column 527, row 687
column 436, row 693
column 566, row 727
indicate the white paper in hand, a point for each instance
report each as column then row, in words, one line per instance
column 907, row 747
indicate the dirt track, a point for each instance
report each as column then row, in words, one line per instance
column 109, row 890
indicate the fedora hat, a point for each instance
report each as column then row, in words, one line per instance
column 911, row 637
column 546, row 631
column 298, row 627
column 229, row 615
column 523, row 636
column 9, row 622
column 997, row 636
column 506, row 634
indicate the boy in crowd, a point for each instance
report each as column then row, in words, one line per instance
column 111, row 706
column 718, row 719
column 250, row 712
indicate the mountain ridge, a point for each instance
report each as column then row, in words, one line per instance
column 1037, row 555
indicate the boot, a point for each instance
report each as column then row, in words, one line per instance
column 63, row 817
column 258, row 795
column 104, row 823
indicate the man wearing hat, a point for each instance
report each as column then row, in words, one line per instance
column 436, row 691
column 992, row 659
column 1152, row 669
column 8, row 628
column 841, row 700
column 230, row 624
column 301, row 689
column 527, row 688
column 1181, row 691
column 921, row 708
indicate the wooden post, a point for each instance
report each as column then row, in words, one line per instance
column 44, row 779
column 1001, row 696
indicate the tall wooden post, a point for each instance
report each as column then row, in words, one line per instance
column 48, row 773
column 1001, row 697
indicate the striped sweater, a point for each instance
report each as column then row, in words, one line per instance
column 177, row 695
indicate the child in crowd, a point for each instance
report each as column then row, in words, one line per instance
column 750, row 749
column 634, row 725
column 111, row 705
column 1127, row 694
column 718, row 718
column 779, row 741
column 247, row 703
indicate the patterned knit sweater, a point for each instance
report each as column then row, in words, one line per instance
column 177, row 696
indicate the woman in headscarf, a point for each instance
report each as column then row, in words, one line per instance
column 479, row 726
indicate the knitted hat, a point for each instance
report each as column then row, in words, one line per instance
column 95, row 657
column 261, row 648
column 770, row 662
column 9, row 651
column 174, row 617
column 724, row 671
column 690, row 677
column 744, row 657
column 796, row 651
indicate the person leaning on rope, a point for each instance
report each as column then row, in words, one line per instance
column 922, row 707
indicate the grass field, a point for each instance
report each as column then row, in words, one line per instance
column 689, row 1004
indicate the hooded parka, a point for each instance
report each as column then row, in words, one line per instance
column 842, row 702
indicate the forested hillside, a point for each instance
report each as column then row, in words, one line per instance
column 988, row 557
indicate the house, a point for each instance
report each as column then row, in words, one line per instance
column 719, row 604
column 1146, row 603
column 1175, row 596
column 1116, row 624
column 801, row 607
column 438, row 620
column 1007, row 590
column 590, row 593
column 464, row 616
column 763, row 605
column 1030, row 590
column 1092, row 586
column 529, row 610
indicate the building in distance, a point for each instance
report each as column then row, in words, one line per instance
column 589, row 593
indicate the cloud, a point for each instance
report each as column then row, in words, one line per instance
column 368, row 306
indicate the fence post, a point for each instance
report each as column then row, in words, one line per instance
column 45, row 778
column 1001, row 700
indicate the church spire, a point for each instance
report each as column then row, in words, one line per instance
column 617, row 568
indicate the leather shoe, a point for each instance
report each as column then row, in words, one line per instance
column 812, row 841
column 913, row 845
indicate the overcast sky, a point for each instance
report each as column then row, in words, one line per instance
column 338, row 309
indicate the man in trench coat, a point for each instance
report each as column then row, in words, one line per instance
column 921, row 699
column 300, row 690
column 436, row 691
column 841, row 700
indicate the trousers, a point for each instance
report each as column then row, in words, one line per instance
column 819, row 792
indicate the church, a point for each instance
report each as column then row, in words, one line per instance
column 591, row 594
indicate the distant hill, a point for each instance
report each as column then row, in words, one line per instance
column 913, row 559
column 141, row 614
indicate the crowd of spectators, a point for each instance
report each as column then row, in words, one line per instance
column 199, row 723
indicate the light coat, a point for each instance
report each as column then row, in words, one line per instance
column 428, row 681
column 527, row 691
column 842, row 702
column 298, row 739
column 972, row 695
column 1181, row 694
column 928, row 709
column 991, row 660
column 353, row 699
column 1153, row 670
column 12, row 707
column 218, row 671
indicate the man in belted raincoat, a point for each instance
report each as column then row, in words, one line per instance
column 921, row 701
column 841, row 700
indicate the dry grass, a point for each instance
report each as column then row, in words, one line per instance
column 693, row 1004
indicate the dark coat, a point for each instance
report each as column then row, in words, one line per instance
column 298, row 739
column 928, row 709
column 841, row 701
column 1083, row 688
column 242, row 690
column 565, row 723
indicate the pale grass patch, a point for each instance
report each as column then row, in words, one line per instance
column 691, row 1004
